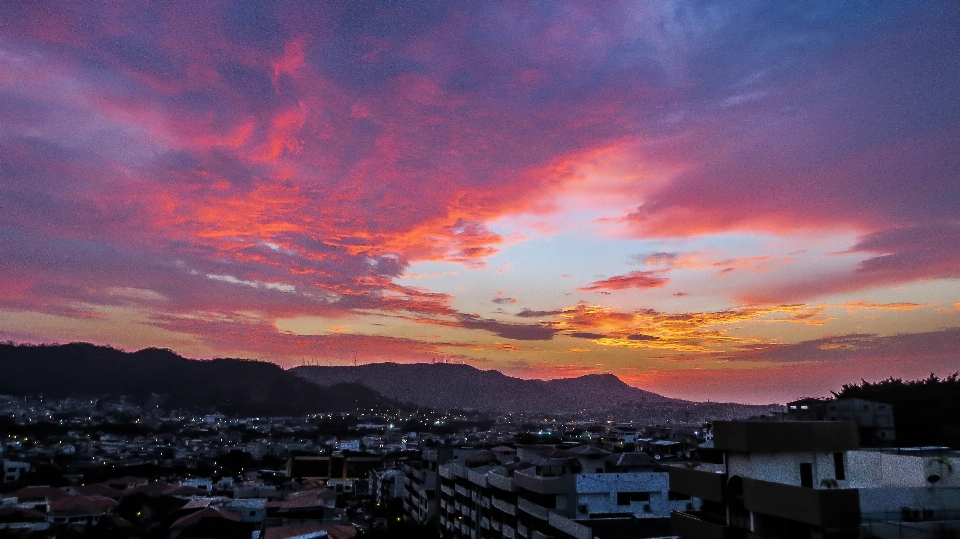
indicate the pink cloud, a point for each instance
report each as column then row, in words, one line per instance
column 233, row 158
column 633, row 280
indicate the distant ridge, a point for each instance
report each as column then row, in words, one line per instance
column 448, row 386
column 232, row 386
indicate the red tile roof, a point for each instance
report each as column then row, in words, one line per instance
column 39, row 493
column 81, row 506
column 209, row 512
column 98, row 489
column 334, row 531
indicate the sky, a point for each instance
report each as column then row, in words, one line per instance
column 743, row 201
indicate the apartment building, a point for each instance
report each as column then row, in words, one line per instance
column 420, row 502
column 547, row 493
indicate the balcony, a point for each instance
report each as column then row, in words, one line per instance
column 696, row 483
column 531, row 508
column 817, row 507
column 539, row 535
column 689, row 525
column 477, row 478
column 485, row 502
column 461, row 490
column 523, row 531
column 508, row 532
column 501, row 482
column 545, row 485
column 569, row 527
column 507, row 508
column 415, row 474
column 447, row 490
column 485, row 523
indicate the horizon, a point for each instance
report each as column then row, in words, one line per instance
column 734, row 202
column 830, row 393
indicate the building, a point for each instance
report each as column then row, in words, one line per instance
column 808, row 479
column 807, row 409
column 545, row 493
column 12, row 470
column 387, row 484
column 874, row 419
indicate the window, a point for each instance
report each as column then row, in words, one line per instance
column 838, row 470
column 677, row 497
column 806, row 474
column 625, row 498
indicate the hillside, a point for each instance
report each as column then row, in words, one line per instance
column 231, row 386
column 447, row 386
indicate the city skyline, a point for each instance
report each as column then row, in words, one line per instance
column 747, row 202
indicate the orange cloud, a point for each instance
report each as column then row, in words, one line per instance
column 695, row 332
column 870, row 305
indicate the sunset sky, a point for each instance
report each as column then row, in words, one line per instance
column 739, row 201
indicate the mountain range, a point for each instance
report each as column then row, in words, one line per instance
column 246, row 387
column 443, row 386
column 232, row 386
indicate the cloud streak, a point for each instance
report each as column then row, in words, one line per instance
column 633, row 280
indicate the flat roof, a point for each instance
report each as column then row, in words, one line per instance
column 785, row 436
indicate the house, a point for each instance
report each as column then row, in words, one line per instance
column 121, row 483
column 211, row 523
column 80, row 510
column 310, row 506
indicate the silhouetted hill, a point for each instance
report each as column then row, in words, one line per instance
column 231, row 386
column 448, row 386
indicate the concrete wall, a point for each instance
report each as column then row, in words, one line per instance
column 874, row 468
column 911, row 530
column 892, row 499
column 784, row 467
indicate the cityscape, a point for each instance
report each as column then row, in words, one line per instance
column 128, row 465
column 368, row 269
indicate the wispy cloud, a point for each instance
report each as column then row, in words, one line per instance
column 634, row 279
